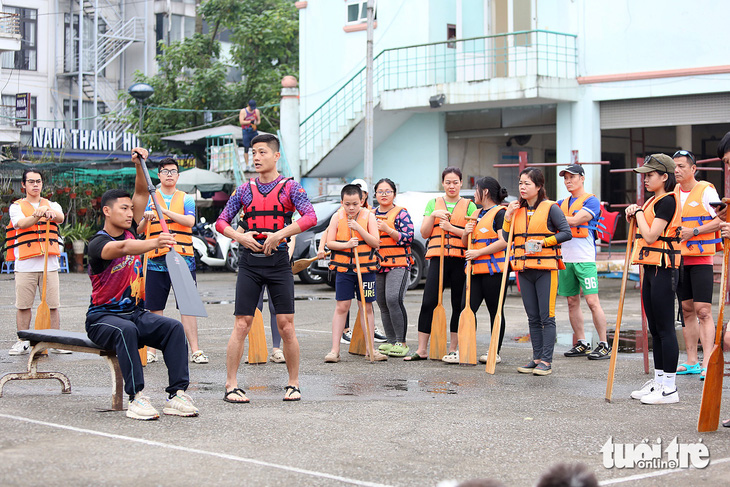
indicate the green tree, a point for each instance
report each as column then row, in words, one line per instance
column 264, row 36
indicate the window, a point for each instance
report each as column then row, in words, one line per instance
column 177, row 29
column 357, row 11
column 450, row 35
column 27, row 57
column 8, row 103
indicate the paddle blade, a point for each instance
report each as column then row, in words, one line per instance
column 143, row 355
column 258, row 353
column 438, row 347
column 467, row 337
column 186, row 293
column 357, row 341
column 712, row 393
column 43, row 317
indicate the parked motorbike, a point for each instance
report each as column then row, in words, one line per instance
column 213, row 249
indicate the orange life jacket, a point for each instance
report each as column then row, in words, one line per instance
column 581, row 231
column 392, row 254
column 483, row 236
column 452, row 246
column 25, row 243
column 344, row 260
column 694, row 214
column 549, row 258
column 183, row 235
column 665, row 250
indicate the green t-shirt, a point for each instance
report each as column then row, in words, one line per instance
column 431, row 206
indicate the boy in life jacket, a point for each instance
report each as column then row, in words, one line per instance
column 699, row 243
column 267, row 203
column 26, row 244
column 250, row 119
column 179, row 211
column 582, row 210
column 354, row 230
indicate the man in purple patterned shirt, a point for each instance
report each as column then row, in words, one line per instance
column 268, row 203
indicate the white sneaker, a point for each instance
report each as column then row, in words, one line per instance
column 59, row 351
column 451, row 358
column 661, row 395
column 197, row 358
column 21, row 347
column 141, row 408
column 151, row 357
column 180, row 405
column 483, row 358
column 648, row 387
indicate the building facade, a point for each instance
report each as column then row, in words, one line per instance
column 472, row 83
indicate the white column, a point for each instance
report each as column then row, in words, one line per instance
column 578, row 127
column 684, row 137
column 289, row 125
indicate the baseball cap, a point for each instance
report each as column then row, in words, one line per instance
column 360, row 182
column 657, row 162
column 252, row 103
column 573, row 169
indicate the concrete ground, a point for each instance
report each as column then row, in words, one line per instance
column 388, row 423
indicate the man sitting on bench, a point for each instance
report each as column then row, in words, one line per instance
column 115, row 321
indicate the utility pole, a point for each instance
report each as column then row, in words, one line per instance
column 368, row 162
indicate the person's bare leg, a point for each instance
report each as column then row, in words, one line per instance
column 599, row 317
column 55, row 319
column 338, row 324
column 190, row 324
column 706, row 329
column 22, row 318
column 690, row 330
column 576, row 317
column 454, row 345
column 422, row 344
column 234, row 350
column 290, row 344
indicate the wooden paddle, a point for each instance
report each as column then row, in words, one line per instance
column 357, row 338
column 619, row 314
column 368, row 342
column 300, row 264
column 186, row 293
column 143, row 351
column 43, row 313
column 497, row 328
column 712, row 390
column 258, row 353
column 467, row 320
column 438, row 347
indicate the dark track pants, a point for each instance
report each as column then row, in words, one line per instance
column 485, row 287
column 539, row 289
column 455, row 276
column 128, row 332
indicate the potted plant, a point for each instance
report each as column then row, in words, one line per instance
column 78, row 234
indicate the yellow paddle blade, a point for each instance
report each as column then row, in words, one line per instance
column 258, row 353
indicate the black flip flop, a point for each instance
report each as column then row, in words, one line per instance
column 238, row 392
column 289, row 391
column 414, row 357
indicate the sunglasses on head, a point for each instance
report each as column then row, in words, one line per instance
column 685, row 153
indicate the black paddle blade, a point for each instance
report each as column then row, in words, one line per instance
column 186, row 293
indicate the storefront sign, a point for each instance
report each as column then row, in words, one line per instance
column 22, row 109
column 87, row 140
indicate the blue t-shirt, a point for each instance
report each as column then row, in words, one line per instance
column 158, row 263
column 583, row 249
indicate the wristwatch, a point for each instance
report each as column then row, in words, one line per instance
column 696, row 231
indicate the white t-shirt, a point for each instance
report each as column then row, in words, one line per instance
column 34, row 264
column 708, row 195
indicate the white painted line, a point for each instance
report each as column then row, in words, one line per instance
column 196, row 451
column 658, row 473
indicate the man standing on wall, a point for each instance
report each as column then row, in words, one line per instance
column 26, row 244
column 250, row 119
column 582, row 210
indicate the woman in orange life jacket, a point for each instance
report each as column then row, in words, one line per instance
column 539, row 229
column 445, row 215
column 657, row 249
column 487, row 254
column 391, row 280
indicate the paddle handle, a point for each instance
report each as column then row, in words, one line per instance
column 441, row 267
column 153, row 192
column 468, row 264
column 620, row 312
column 368, row 345
column 45, row 261
column 497, row 328
column 723, row 290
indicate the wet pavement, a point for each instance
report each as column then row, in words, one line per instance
column 386, row 423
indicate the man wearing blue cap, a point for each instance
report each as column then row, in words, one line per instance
column 250, row 119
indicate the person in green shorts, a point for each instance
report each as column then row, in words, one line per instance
column 582, row 211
